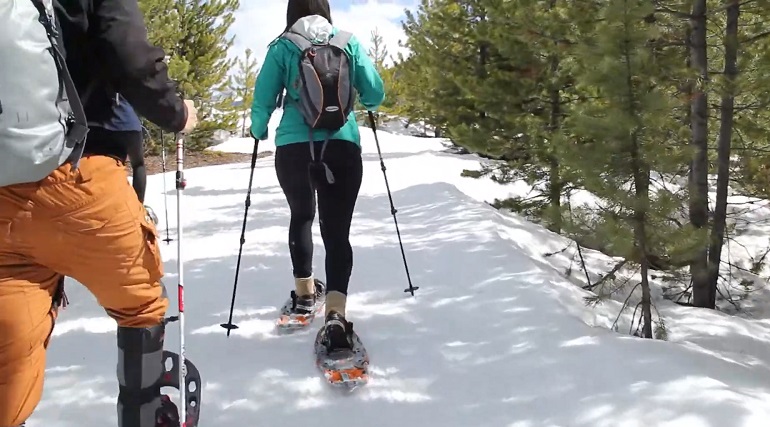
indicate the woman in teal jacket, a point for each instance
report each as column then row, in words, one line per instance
column 336, row 200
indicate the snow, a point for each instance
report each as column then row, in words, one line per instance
column 497, row 334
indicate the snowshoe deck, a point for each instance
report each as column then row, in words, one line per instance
column 288, row 320
column 345, row 368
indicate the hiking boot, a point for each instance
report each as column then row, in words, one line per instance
column 339, row 332
column 306, row 304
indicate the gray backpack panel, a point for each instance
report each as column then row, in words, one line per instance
column 42, row 124
column 326, row 93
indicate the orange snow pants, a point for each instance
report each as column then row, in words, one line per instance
column 87, row 224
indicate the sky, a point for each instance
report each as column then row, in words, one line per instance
column 258, row 22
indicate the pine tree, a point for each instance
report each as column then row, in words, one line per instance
column 405, row 86
column 740, row 52
column 242, row 86
column 194, row 35
column 511, row 88
column 724, row 143
column 162, row 20
column 163, row 29
column 510, row 80
column 438, row 34
column 703, row 294
column 548, row 31
column 752, row 100
column 725, row 58
column 204, row 46
column 625, row 129
column 378, row 52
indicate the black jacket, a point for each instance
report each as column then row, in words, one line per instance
column 108, row 53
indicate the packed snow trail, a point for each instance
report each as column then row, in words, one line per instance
column 493, row 337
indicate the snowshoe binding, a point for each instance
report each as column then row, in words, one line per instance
column 300, row 311
column 340, row 354
column 168, row 416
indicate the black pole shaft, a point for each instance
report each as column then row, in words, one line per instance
column 393, row 209
column 168, row 238
column 229, row 325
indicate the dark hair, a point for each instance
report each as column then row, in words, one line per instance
column 298, row 9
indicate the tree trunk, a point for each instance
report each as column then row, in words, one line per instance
column 554, row 176
column 646, row 299
column 554, row 123
column 642, row 187
column 483, row 59
column 703, row 295
column 727, row 112
column 641, row 176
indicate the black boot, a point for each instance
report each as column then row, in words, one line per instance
column 303, row 305
column 338, row 332
column 140, row 368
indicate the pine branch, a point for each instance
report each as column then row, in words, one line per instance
column 681, row 294
column 550, row 254
column 719, row 10
column 607, row 276
column 755, row 38
column 623, row 307
column 663, row 9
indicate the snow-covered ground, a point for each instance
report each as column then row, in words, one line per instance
column 495, row 336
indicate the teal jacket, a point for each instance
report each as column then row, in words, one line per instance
column 280, row 69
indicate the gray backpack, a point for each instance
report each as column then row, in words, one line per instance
column 326, row 92
column 42, row 123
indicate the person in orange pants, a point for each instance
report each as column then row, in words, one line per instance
column 83, row 219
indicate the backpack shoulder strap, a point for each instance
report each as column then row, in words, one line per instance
column 298, row 40
column 39, row 5
column 341, row 39
column 47, row 19
column 79, row 130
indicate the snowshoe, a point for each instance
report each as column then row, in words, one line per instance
column 300, row 311
column 340, row 354
column 192, row 394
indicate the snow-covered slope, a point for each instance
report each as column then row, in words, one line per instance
column 496, row 335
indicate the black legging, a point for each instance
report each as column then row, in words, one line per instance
column 336, row 203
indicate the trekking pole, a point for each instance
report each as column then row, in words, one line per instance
column 393, row 209
column 181, row 183
column 229, row 325
column 168, row 238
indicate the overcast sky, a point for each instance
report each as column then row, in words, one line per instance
column 259, row 21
